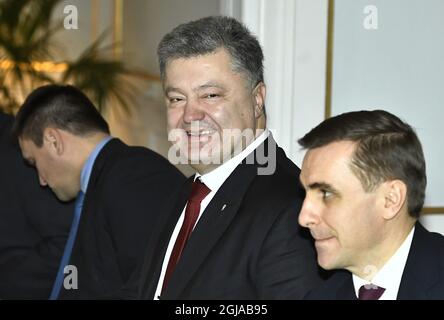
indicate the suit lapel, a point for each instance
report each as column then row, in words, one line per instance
column 421, row 270
column 154, row 260
column 214, row 221
column 347, row 291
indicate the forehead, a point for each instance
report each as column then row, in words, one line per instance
column 200, row 67
column 329, row 163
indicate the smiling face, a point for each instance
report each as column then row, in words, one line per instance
column 207, row 99
column 343, row 218
column 52, row 170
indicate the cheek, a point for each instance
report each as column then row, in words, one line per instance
column 174, row 117
column 355, row 229
column 41, row 168
column 245, row 117
column 340, row 221
column 229, row 117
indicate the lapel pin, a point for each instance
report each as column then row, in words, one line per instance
column 223, row 207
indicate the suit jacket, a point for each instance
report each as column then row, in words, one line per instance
column 34, row 225
column 422, row 279
column 247, row 243
column 126, row 194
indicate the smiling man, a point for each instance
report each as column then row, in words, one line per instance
column 364, row 175
column 231, row 233
column 209, row 112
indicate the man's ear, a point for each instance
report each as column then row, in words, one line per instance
column 53, row 139
column 395, row 196
column 259, row 93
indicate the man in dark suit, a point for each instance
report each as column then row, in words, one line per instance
column 34, row 226
column 232, row 233
column 365, row 179
column 123, row 188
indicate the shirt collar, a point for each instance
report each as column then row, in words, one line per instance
column 87, row 167
column 389, row 276
column 215, row 178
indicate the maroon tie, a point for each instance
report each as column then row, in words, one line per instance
column 198, row 192
column 370, row 292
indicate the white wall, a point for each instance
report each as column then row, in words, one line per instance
column 94, row 17
column 397, row 67
column 147, row 21
column 433, row 222
column 74, row 41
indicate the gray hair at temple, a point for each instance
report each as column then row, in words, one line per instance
column 209, row 34
column 387, row 149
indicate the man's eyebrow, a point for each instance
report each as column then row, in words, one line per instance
column 322, row 186
column 210, row 85
column 171, row 89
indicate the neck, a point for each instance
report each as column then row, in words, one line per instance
column 86, row 146
column 393, row 237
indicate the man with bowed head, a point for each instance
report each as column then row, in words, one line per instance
column 120, row 191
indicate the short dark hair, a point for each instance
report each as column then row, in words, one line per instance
column 62, row 106
column 387, row 148
column 209, row 34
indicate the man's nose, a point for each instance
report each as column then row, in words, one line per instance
column 308, row 216
column 193, row 112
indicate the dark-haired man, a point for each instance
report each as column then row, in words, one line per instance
column 119, row 190
column 365, row 179
column 34, row 225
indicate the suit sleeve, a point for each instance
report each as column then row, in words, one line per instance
column 287, row 267
column 134, row 200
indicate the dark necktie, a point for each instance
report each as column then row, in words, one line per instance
column 68, row 247
column 370, row 292
column 198, row 192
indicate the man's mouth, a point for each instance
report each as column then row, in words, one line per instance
column 319, row 237
column 201, row 133
column 322, row 239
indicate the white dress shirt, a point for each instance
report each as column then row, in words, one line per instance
column 213, row 180
column 389, row 277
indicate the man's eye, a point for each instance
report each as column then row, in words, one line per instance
column 173, row 100
column 211, row 96
column 326, row 194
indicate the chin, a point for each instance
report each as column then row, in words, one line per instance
column 64, row 197
column 204, row 157
column 326, row 266
column 326, row 262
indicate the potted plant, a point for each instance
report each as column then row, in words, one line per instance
column 28, row 50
